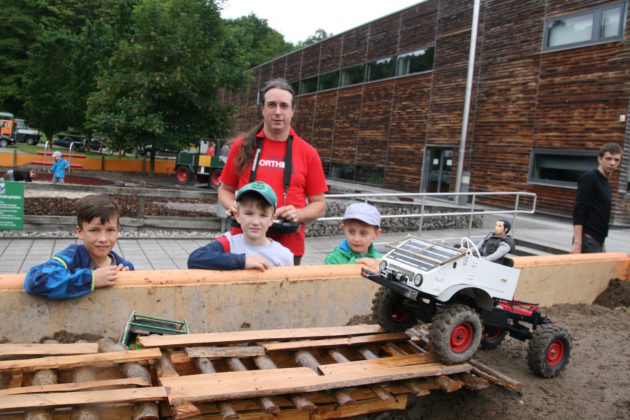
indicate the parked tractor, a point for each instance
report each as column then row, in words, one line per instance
column 468, row 301
column 207, row 168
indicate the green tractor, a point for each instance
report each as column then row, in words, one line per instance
column 206, row 167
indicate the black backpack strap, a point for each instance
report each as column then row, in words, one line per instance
column 288, row 164
column 252, row 174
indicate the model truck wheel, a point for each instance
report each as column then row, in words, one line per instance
column 455, row 334
column 549, row 351
column 492, row 337
column 389, row 312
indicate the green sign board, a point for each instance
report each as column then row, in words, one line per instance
column 11, row 205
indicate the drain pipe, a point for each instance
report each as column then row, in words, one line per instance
column 469, row 82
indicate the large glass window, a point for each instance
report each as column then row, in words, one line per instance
column 370, row 175
column 381, row 69
column 586, row 27
column 558, row 167
column 352, row 75
column 329, row 80
column 415, row 62
column 342, row 171
column 308, row 85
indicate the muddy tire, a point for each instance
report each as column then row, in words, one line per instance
column 455, row 334
column 389, row 312
column 549, row 351
column 492, row 337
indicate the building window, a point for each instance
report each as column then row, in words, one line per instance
column 342, row 171
column 352, row 75
column 308, row 85
column 415, row 62
column 592, row 26
column 381, row 69
column 369, row 175
column 329, row 80
column 296, row 87
column 559, row 167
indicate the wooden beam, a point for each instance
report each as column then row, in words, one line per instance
column 382, row 363
column 229, row 351
column 12, row 350
column 62, row 362
column 336, row 342
column 182, row 340
column 73, row 386
column 66, row 399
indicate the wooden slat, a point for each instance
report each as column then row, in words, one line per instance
column 232, row 351
column 376, row 364
column 11, row 350
column 65, row 399
column 335, row 342
column 72, row 386
column 221, row 386
column 98, row 359
column 182, row 340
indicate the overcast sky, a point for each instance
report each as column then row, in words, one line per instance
column 299, row 19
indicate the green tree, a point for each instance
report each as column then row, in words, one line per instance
column 161, row 87
column 319, row 35
column 259, row 42
column 52, row 102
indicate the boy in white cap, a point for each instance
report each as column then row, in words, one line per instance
column 58, row 168
column 255, row 210
column 361, row 224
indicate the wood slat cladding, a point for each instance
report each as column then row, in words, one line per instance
column 304, row 116
column 354, row 46
column 279, row 68
column 331, row 55
column 381, row 42
column 310, row 61
column 522, row 98
column 417, row 26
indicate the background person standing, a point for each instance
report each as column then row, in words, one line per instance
column 58, row 168
column 591, row 211
column 273, row 153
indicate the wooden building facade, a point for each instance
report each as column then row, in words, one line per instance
column 383, row 103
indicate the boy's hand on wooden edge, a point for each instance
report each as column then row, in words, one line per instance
column 256, row 262
column 105, row 276
column 370, row 262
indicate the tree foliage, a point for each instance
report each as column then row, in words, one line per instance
column 161, row 87
column 318, row 36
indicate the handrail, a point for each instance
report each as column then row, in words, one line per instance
column 470, row 211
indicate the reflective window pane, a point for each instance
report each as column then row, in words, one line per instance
column 610, row 23
column 352, row 75
column 381, row 69
column 570, row 30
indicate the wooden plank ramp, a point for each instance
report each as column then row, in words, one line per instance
column 309, row 373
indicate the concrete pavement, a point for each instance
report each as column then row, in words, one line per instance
column 17, row 255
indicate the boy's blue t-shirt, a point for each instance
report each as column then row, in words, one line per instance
column 66, row 275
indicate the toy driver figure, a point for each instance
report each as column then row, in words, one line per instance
column 497, row 244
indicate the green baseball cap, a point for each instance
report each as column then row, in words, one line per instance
column 260, row 188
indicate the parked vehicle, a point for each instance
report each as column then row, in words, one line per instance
column 79, row 142
column 207, row 168
column 468, row 300
column 14, row 130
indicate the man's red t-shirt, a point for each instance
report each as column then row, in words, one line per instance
column 307, row 178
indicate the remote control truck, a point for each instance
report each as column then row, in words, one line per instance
column 468, row 301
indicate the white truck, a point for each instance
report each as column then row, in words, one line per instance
column 468, row 301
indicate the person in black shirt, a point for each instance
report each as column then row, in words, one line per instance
column 25, row 175
column 591, row 211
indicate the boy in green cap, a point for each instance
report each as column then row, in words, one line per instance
column 255, row 209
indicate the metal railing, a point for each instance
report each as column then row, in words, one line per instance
column 441, row 199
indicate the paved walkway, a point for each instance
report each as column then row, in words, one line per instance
column 18, row 255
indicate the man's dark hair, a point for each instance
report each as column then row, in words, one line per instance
column 97, row 205
column 506, row 224
column 612, row 148
column 249, row 142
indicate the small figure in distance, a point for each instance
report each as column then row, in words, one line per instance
column 255, row 211
column 58, row 168
column 19, row 174
column 211, row 146
column 497, row 244
column 361, row 224
column 79, row 269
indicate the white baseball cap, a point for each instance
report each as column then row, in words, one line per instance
column 364, row 212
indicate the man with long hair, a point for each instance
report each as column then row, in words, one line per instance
column 273, row 153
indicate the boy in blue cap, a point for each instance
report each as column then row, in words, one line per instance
column 255, row 210
column 361, row 224
column 79, row 269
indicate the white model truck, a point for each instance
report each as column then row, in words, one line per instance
column 468, row 301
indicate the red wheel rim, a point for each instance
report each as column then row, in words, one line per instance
column 182, row 174
column 461, row 337
column 214, row 178
column 555, row 353
column 492, row 333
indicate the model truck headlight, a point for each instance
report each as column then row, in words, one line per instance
column 417, row 279
column 382, row 266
